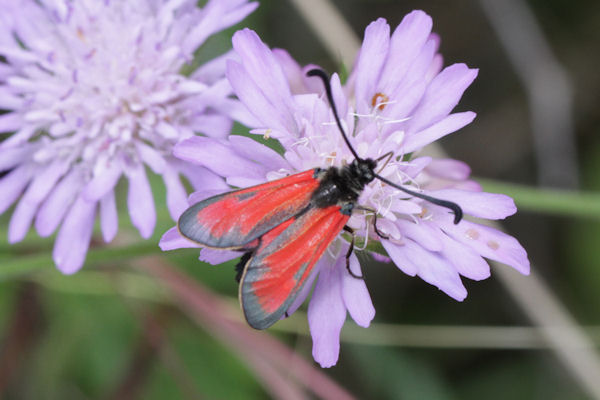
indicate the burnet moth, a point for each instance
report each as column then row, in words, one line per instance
column 284, row 226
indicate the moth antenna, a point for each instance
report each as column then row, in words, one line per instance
column 455, row 208
column 325, row 78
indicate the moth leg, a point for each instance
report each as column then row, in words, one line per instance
column 387, row 155
column 381, row 235
column 349, row 253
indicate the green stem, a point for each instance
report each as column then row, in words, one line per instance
column 548, row 201
column 25, row 264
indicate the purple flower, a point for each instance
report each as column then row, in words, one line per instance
column 93, row 92
column 397, row 99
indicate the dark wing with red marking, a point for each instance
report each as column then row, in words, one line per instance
column 283, row 261
column 235, row 219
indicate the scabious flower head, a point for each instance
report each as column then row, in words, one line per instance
column 93, row 91
column 397, row 99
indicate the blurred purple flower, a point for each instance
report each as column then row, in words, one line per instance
column 399, row 99
column 93, row 90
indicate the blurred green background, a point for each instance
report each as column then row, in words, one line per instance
column 113, row 331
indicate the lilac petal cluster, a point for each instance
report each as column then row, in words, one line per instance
column 398, row 99
column 92, row 91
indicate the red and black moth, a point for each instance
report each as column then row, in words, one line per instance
column 285, row 226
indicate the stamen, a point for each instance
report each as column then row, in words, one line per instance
column 331, row 157
column 80, row 33
column 301, row 142
column 366, row 241
column 379, row 101
column 387, row 121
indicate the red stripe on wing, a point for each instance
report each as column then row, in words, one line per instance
column 283, row 261
column 234, row 219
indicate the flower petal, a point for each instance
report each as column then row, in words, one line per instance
column 405, row 44
column 58, row 202
column 103, row 182
column 380, row 258
column 340, row 99
column 416, row 166
column 243, row 182
column 213, row 70
column 217, row 126
column 326, row 315
column 398, row 256
column 412, row 259
column 217, row 256
column 369, row 63
column 20, row 221
column 12, row 185
column 478, row 204
column 151, row 157
column 450, row 124
column 355, row 294
column 37, row 191
column 109, row 219
column 436, row 66
column 9, row 101
column 442, row 95
column 10, row 157
column 20, row 137
column 140, row 202
column 257, row 152
column 260, row 83
column 217, row 15
column 489, row 242
column 262, row 66
column 176, row 193
column 424, row 234
column 172, row 240
column 294, row 74
column 408, row 93
column 200, row 195
column 467, row 262
column 308, row 286
column 74, row 236
column 436, row 270
column 219, row 156
column 237, row 13
column 406, row 207
column 448, row 168
column 200, row 177
column 10, row 122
